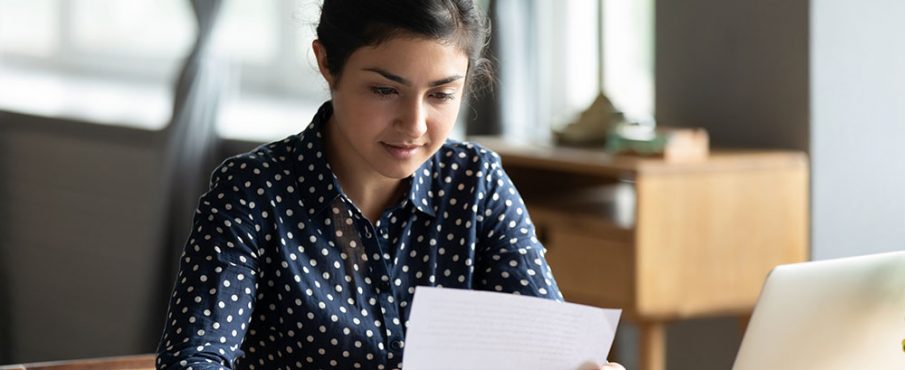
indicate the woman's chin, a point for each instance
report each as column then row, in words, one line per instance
column 398, row 172
column 395, row 168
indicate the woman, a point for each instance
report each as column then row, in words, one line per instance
column 306, row 252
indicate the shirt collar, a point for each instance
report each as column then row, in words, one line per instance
column 316, row 183
column 314, row 172
column 421, row 182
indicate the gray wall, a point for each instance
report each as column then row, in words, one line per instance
column 80, row 238
column 858, row 127
column 736, row 67
column 81, row 225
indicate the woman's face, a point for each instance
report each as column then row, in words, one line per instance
column 394, row 104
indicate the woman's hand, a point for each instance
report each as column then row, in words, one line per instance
column 606, row 366
column 612, row 366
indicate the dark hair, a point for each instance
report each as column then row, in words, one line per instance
column 346, row 25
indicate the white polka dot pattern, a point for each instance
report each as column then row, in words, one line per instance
column 282, row 271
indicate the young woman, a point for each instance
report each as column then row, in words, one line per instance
column 305, row 253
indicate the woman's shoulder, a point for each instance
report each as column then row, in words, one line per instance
column 463, row 165
column 468, row 154
column 265, row 161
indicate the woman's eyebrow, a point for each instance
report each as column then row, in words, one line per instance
column 402, row 80
column 446, row 80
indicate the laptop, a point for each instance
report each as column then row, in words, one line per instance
column 846, row 313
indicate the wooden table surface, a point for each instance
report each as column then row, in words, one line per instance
column 135, row 362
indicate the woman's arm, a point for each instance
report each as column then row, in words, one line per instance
column 509, row 256
column 214, row 295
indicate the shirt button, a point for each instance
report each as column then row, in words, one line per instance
column 397, row 345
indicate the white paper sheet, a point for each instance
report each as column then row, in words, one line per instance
column 465, row 329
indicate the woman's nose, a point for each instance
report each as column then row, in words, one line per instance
column 413, row 121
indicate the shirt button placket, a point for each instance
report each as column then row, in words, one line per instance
column 386, row 299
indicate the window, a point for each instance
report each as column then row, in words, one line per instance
column 144, row 42
column 141, row 29
column 628, row 51
column 555, row 56
column 28, row 27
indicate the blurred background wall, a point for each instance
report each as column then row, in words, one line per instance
column 822, row 76
column 86, row 88
column 80, row 237
column 857, row 127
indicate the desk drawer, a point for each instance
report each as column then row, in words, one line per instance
column 590, row 269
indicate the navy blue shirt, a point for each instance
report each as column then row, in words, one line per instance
column 282, row 270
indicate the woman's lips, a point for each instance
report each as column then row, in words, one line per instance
column 401, row 151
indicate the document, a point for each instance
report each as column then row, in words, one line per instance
column 465, row 329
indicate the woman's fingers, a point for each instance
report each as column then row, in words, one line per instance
column 612, row 366
column 607, row 366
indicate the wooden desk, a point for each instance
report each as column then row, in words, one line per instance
column 663, row 241
column 136, row 362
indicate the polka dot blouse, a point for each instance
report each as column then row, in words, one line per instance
column 282, row 271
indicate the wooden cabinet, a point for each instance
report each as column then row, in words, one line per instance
column 663, row 241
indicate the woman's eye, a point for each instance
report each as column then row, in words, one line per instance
column 383, row 91
column 443, row 96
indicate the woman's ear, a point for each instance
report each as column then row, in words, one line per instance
column 321, row 54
